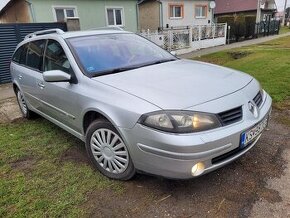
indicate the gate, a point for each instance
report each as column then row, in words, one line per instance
column 11, row 35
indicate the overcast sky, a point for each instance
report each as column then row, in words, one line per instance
column 280, row 4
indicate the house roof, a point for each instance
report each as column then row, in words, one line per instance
column 231, row 6
column 3, row 4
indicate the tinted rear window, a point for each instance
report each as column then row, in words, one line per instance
column 22, row 58
column 16, row 56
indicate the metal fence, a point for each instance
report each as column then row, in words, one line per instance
column 184, row 39
column 11, row 35
column 245, row 31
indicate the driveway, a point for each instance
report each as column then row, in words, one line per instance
column 256, row 185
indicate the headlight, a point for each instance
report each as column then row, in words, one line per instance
column 180, row 121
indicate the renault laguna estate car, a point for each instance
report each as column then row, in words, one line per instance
column 137, row 107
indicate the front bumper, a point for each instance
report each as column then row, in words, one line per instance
column 174, row 155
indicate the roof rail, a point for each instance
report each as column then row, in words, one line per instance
column 108, row 28
column 43, row 32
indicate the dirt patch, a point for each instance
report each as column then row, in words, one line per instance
column 76, row 153
column 239, row 54
column 284, row 112
column 264, row 208
column 25, row 164
column 9, row 110
column 230, row 191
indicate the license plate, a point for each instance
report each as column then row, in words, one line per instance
column 251, row 134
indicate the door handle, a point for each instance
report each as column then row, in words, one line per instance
column 19, row 77
column 41, row 85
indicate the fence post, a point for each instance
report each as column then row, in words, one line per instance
column 228, row 32
column 190, row 37
column 170, row 34
column 199, row 36
column 213, row 30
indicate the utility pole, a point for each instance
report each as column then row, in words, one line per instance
column 284, row 13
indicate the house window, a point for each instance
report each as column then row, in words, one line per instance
column 62, row 13
column 175, row 11
column 115, row 17
column 200, row 11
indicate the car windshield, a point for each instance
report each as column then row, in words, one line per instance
column 112, row 53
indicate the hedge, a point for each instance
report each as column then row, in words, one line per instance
column 241, row 26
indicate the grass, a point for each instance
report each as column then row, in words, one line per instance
column 35, row 181
column 268, row 62
column 284, row 29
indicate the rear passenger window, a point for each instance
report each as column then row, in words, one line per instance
column 35, row 54
column 22, row 59
column 55, row 58
column 16, row 56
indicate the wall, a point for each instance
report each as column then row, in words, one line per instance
column 149, row 15
column 18, row 12
column 92, row 13
column 189, row 13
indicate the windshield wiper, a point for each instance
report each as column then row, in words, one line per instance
column 121, row 69
column 160, row 61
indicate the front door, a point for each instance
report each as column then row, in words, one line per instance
column 59, row 99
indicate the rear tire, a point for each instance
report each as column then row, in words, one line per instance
column 26, row 113
column 108, row 152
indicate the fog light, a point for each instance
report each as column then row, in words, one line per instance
column 197, row 169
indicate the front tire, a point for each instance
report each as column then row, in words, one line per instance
column 108, row 152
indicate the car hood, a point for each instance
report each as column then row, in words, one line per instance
column 178, row 84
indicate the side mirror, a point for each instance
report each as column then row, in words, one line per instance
column 56, row 76
column 173, row 53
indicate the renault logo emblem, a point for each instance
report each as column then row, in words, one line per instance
column 253, row 109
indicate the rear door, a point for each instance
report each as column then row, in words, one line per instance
column 34, row 66
column 25, row 75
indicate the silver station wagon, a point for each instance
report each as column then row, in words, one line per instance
column 137, row 107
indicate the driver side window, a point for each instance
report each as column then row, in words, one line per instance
column 55, row 58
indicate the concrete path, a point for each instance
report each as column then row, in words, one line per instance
column 231, row 46
column 6, row 91
column 9, row 110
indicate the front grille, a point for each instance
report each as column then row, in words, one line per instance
column 230, row 154
column 258, row 99
column 231, row 116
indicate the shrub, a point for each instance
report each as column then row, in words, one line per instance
column 250, row 26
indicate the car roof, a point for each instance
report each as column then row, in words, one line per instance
column 90, row 32
column 65, row 35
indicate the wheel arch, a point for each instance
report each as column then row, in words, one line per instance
column 91, row 115
column 15, row 87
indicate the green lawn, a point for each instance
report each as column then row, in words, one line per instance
column 35, row 179
column 268, row 62
column 284, row 29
